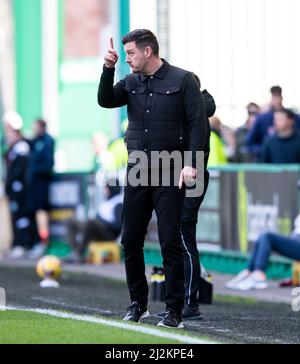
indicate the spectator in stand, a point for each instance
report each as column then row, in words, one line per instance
column 105, row 227
column 264, row 124
column 284, row 146
column 217, row 149
column 242, row 154
column 228, row 137
column 254, row 276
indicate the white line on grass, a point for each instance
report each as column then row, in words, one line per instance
column 70, row 306
column 121, row 325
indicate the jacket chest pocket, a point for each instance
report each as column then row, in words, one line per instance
column 168, row 99
column 136, row 99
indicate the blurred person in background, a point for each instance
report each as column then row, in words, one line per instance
column 99, row 146
column 105, row 227
column 217, row 148
column 254, row 276
column 115, row 157
column 264, row 124
column 16, row 186
column 228, row 137
column 284, row 146
column 40, row 169
column 242, row 154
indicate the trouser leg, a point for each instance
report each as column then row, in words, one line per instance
column 21, row 230
column 191, row 263
column 192, row 268
column 268, row 242
column 75, row 234
column 168, row 202
column 94, row 230
column 137, row 212
column 35, row 236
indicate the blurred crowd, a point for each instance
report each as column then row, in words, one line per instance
column 29, row 164
column 29, row 168
column 270, row 134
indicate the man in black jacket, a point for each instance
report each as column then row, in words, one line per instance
column 165, row 113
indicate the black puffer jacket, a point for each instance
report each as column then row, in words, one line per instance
column 165, row 111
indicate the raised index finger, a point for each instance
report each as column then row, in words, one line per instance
column 112, row 43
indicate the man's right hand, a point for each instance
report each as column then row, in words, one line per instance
column 111, row 58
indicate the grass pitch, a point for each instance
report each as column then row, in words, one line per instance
column 22, row 327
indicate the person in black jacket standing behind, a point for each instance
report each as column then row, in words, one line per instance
column 166, row 113
column 189, row 219
column 39, row 176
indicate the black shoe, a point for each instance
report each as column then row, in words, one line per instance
column 171, row 320
column 188, row 312
column 161, row 315
column 135, row 313
column 191, row 313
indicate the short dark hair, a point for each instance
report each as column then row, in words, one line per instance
column 251, row 106
column 288, row 113
column 276, row 91
column 143, row 38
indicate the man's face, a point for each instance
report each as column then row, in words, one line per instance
column 253, row 112
column 136, row 58
column 282, row 122
column 276, row 102
column 37, row 129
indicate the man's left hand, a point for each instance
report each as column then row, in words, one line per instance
column 187, row 176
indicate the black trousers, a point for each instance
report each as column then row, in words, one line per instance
column 192, row 268
column 25, row 231
column 139, row 203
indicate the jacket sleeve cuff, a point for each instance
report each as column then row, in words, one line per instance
column 108, row 72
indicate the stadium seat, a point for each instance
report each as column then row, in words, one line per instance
column 104, row 252
column 296, row 274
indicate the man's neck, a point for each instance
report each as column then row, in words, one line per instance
column 286, row 133
column 277, row 108
column 153, row 67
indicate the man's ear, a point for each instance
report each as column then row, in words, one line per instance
column 148, row 51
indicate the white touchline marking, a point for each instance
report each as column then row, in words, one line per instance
column 121, row 325
column 65, row 304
